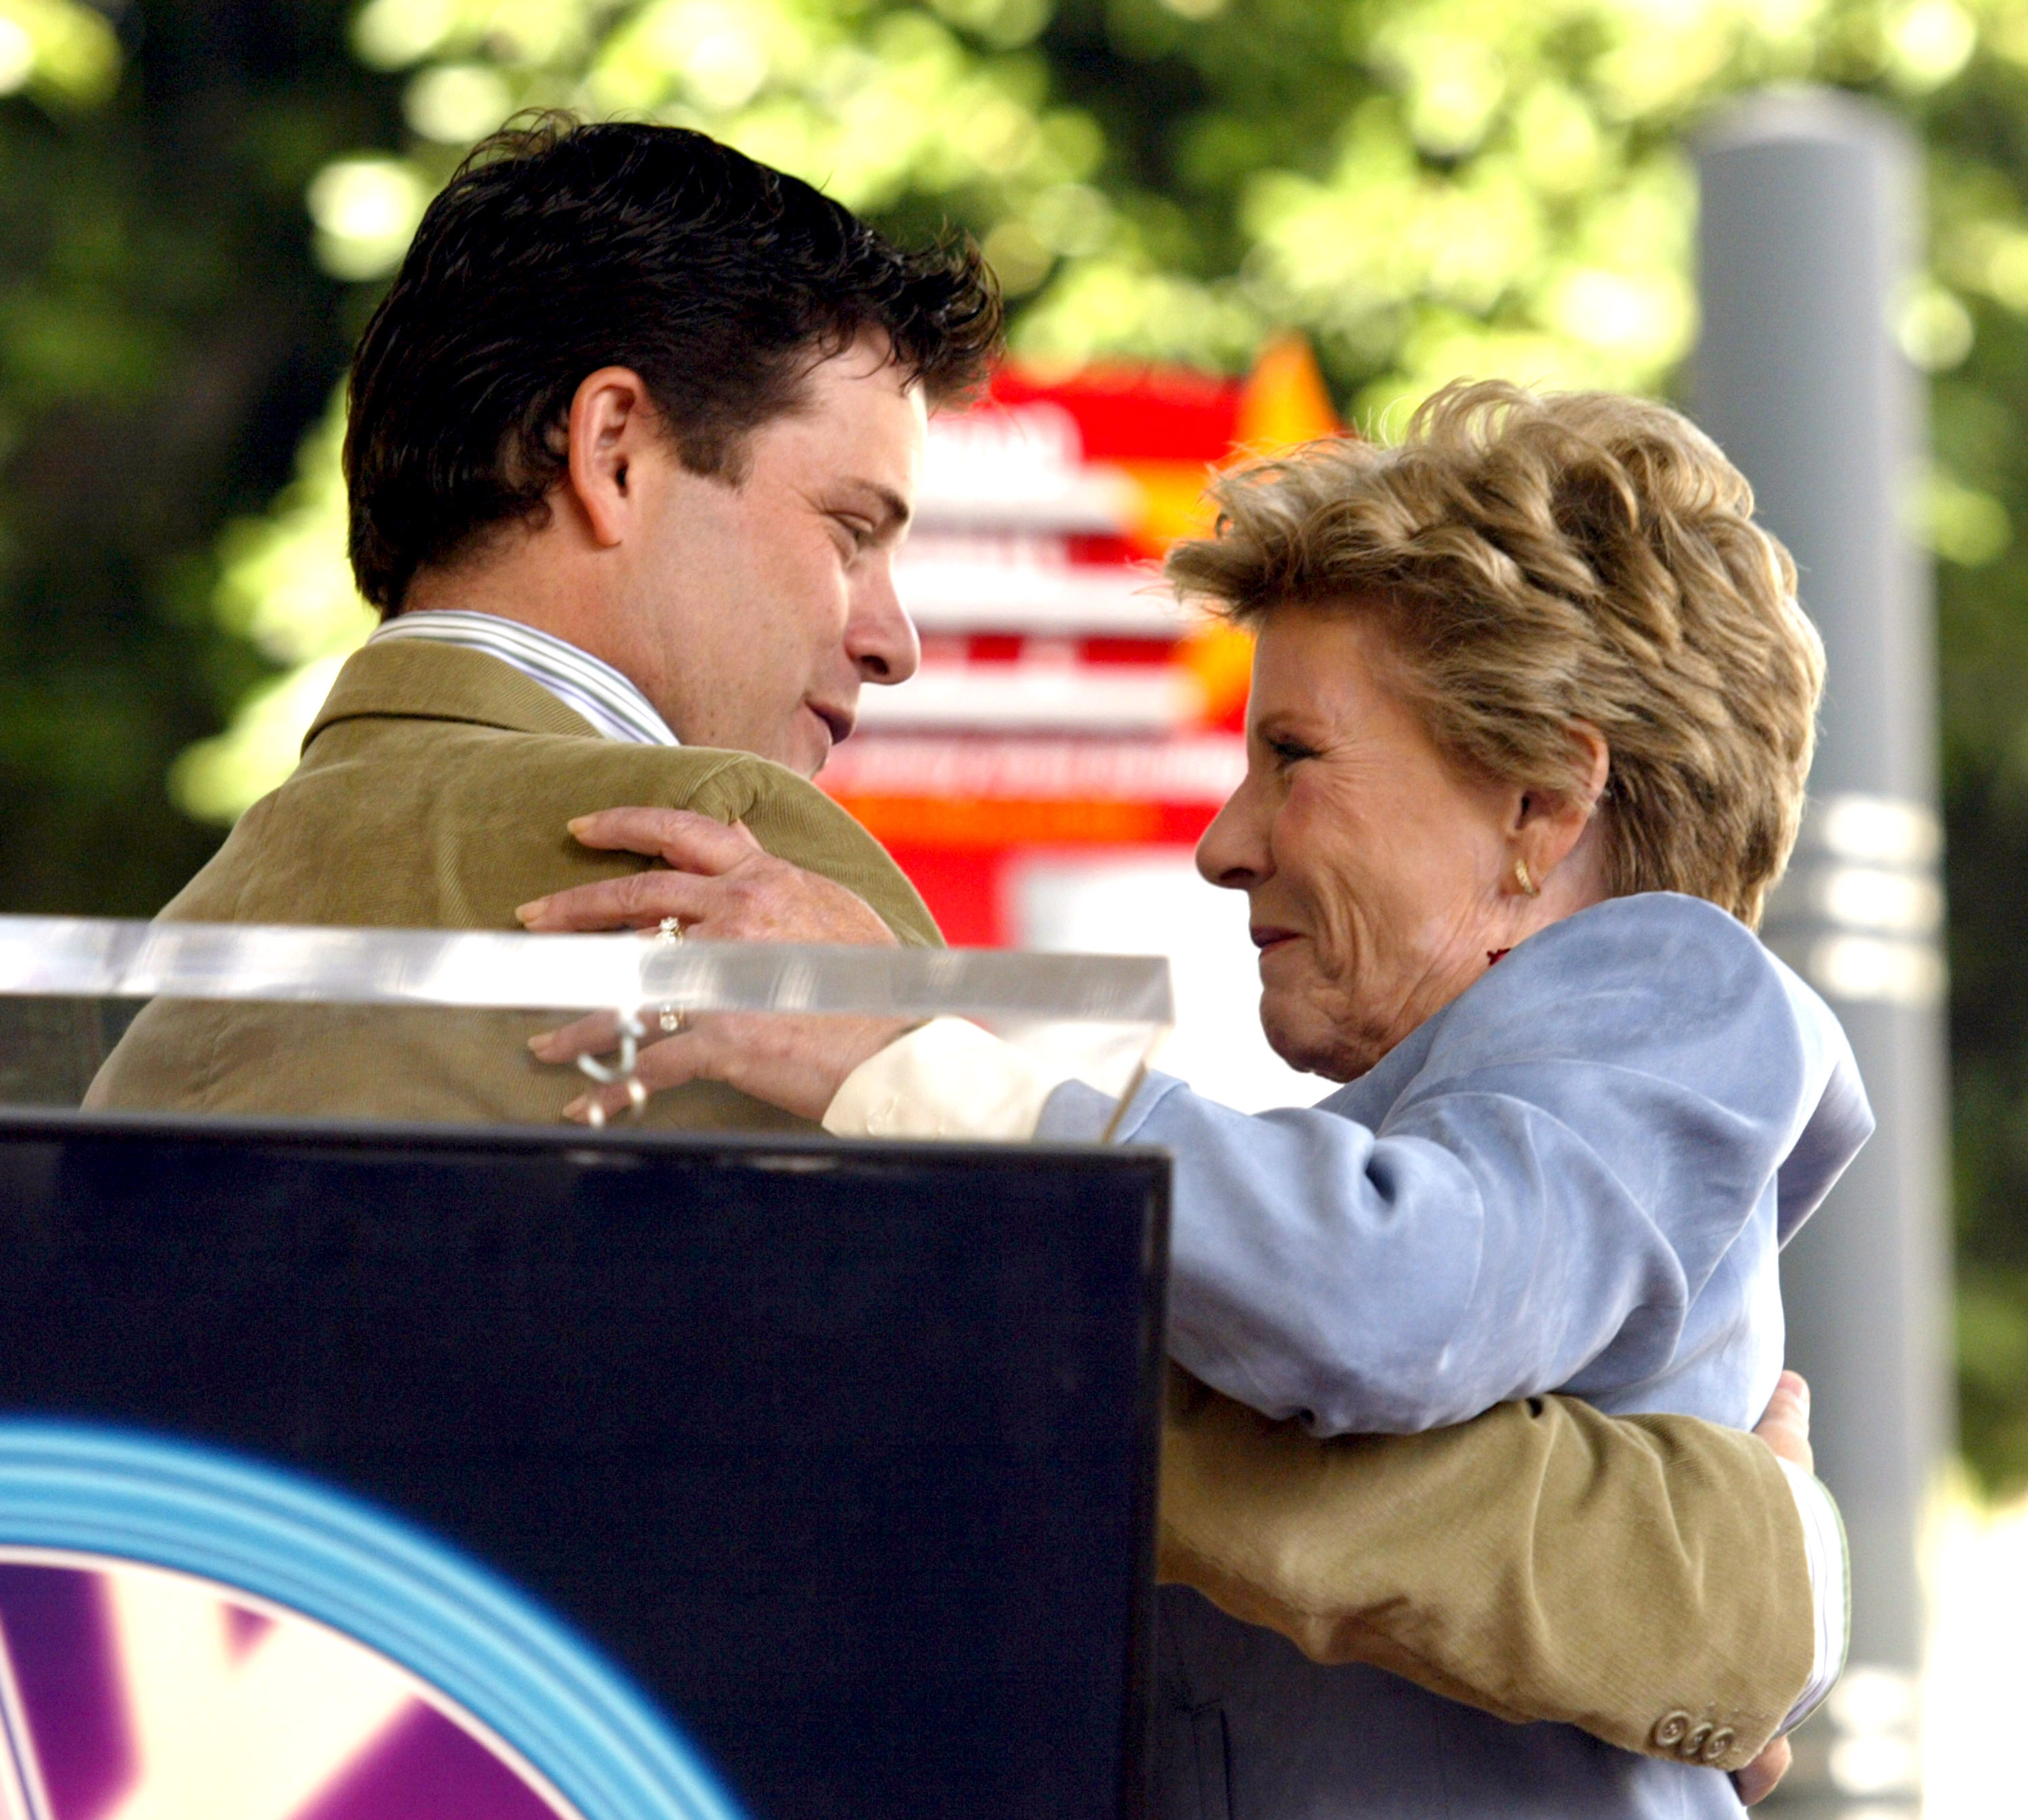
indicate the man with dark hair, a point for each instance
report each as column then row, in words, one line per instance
column 634, row 437
column 724, row 371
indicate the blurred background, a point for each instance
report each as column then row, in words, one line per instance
column 1220, row 225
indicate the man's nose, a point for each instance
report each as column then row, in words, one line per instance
column 879, row 637
column 1234, row 851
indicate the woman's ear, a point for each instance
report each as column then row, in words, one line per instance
column 610, row 415
column 1549, row 825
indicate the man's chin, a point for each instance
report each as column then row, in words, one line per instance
column 800, row 746
column 815, row 739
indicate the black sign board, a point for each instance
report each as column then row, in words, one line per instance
column 838, row 1461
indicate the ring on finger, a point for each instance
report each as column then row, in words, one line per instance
column 670, row 1018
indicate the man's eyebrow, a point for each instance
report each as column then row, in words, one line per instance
column 895, row 510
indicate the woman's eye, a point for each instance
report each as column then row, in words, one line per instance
column 1289, row 751
column 858, row 531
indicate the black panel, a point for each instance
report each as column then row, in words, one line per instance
column 846, row 1453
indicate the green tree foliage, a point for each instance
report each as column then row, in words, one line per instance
column 1427, row 187
column 164, row 341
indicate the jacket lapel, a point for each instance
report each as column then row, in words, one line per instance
column 416, row 679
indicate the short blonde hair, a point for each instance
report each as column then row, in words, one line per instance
column 1544, row 559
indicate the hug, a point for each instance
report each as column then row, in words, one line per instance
column 1465, row 1353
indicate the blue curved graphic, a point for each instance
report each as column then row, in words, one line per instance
column 542, row 1688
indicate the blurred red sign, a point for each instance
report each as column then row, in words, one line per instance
column 1065, row 699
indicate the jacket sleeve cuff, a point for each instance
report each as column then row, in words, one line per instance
column 1831, row 1588
column 947, row 1078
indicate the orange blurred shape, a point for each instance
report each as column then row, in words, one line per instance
column 1283, row 404
column 1220, row 660
column 929, row 821
column 1172, row 503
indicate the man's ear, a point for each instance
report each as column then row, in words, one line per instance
column 1547, row 826
column 611, row 417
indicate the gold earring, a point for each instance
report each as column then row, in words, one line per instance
column 1529, row 887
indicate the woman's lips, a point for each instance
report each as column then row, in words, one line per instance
column 1266, row 938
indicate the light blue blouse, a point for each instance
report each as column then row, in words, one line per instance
column 1575, row 1177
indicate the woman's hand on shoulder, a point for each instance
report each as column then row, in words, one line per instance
column 719, row 883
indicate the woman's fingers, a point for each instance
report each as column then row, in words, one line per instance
column 688, row 841
column 598, row 1034
column 638, row 900
column 1785, row 1424
column 723, row 887
column 696, row 847
column 796, row 1063
column 668, row 1064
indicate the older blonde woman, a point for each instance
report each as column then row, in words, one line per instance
column 1531, row 717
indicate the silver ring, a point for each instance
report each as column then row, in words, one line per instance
column 671, row 1020
column 670, row 930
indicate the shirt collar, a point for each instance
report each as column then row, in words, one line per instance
column 585, row 684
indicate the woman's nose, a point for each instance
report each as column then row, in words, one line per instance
column 879, row 637
column 1234, row 852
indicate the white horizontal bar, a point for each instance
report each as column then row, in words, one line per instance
column 1091, row 511
column 1122, row 697
column 1200, row 769
column 950, row 595
column 89, row 957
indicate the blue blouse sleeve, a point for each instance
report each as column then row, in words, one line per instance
column 1541, row 1180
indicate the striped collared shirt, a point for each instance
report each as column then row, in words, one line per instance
column 583, row 683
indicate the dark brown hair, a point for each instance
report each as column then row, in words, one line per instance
column 559, row 248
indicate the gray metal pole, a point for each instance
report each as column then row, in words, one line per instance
column 1808, row 219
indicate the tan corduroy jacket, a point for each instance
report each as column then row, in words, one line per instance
column 434, row 790
column 1542, row 1561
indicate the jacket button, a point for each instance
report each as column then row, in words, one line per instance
column 1692, row 1749
column 1716, row 1745
column 1671, row 1729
